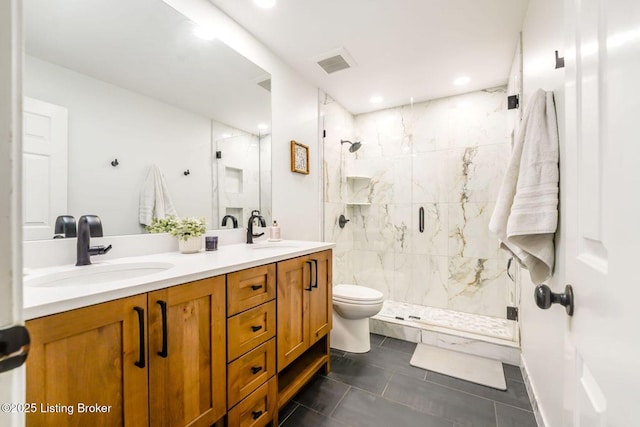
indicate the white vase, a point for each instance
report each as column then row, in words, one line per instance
column 191, row 245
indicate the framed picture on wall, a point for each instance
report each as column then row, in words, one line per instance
column 299, row 158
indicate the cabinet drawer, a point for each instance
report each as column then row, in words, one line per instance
column 249, row 288
column 257, row 409
column 250, row 371
column 249, row 329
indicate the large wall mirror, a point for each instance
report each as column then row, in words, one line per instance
column 114, row 89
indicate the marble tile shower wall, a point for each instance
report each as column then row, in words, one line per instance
column 448, row 156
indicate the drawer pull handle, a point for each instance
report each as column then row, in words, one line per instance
column 256, row 328
column 256, row 369
column 256, row 414
column 256, row 287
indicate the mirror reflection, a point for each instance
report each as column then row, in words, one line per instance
column 117, row 89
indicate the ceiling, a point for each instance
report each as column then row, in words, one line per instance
column 402, row 49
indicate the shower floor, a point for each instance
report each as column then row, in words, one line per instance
column 456, row 323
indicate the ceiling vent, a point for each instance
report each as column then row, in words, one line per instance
column 265, row 84
column 335, row 60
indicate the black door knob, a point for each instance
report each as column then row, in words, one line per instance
column 545, row 298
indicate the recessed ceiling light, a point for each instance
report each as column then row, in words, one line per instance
column 204, row 33
column 375, row 99
column 265, row 4
column 461, row 81
column 263, row 126
column 226, row 135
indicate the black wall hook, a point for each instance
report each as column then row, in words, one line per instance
column 559, row 61
column 186, row 173
column 114, row 163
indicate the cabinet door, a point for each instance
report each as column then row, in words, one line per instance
column 187, row 383
column 88, row 357
column 294, row 287
column 320, row 303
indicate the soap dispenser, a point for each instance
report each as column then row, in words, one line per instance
column 274, row 232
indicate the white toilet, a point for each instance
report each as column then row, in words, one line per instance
column 352, row 307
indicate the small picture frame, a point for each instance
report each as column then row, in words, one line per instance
column 299, row 158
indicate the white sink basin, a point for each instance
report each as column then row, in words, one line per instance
column 95, row 274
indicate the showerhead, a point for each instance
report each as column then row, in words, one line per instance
column 355, row 146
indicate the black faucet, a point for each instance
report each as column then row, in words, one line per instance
column 84, row 251
column 232, row 218
column 254, row 215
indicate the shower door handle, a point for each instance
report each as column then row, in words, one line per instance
column 421, row 219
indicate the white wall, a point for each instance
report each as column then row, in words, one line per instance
column 294, row 108
column 542, row 331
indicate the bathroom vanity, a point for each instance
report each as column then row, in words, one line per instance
column 236, row 332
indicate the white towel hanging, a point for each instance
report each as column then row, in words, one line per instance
column 526, row 214
column 155, row 201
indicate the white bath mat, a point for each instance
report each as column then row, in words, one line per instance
column 467, row 367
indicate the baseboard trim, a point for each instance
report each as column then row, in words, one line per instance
column 531, row 392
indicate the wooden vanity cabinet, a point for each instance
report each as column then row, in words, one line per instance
column 251, row 355
column 187, row 363
column 89, row 356
column 241, row 344
column 304, row 320
column 94, row 355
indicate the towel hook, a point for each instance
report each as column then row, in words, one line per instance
column 114, row 162
column 559, row 61
column 186, row 173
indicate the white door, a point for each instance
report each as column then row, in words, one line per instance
column 603, row 227
column 12, row 382
column 44, row 169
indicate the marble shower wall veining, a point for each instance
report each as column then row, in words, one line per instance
column 447, row 156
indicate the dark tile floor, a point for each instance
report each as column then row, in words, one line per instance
column 380, row 388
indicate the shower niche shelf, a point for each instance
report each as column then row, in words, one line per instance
column 358, row 189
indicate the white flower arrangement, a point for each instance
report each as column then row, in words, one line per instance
column 189, row 227
column 162, row 225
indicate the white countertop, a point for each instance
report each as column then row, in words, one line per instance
column 45, row 300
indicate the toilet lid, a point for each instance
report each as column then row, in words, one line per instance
column 356, row 293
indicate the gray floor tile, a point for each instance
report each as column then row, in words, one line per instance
column 376, row 339
column 515, row 395
column 392, row 360
column 462, row 408
column 512, row 372
column 399, row 345
column 286, row 411
column 359, row 408
column 337, row 353
column 304, row 417
column 508, row 416
column 321, row 394
column 359, row 374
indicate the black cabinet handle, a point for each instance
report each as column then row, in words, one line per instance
column 141, row 360
column 310, row 264
column 256, row 287
column 256, row 369
column 421, row 219
column 256, row 328
column 315, row 284
column 163, row 308
column 256, row 414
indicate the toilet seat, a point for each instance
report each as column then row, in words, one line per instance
column 355, row 294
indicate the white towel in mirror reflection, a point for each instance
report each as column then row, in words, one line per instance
column 155, row 201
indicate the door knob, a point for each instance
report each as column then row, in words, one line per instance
column 544, row 298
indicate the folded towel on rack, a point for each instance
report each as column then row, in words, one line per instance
column 525, row 217
column 155, row 201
